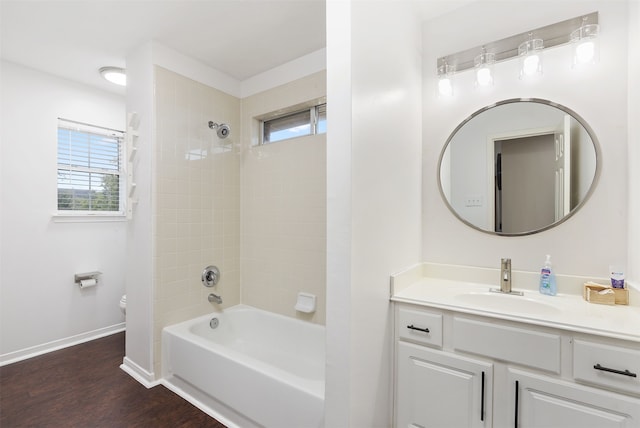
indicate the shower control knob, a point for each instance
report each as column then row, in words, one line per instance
column 210, row 276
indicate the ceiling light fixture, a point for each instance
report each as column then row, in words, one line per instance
column 585, row 43
column 115, row 75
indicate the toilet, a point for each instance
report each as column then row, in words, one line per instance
column 123, row 304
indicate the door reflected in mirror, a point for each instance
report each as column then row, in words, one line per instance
column 518, row 167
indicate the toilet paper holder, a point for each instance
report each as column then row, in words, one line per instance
column 79, row 278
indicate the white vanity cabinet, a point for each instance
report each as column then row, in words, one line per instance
column 438, row 389
column 537, row 401
column 435, row 388
column 457, row 369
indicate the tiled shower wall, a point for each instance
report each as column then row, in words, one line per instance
column 283, row 242
column 199, row 211
column 197, row 200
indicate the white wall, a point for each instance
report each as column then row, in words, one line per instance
column 40, row 306
column 373, row 197
column 338, row 395
column 633, row 259
column 140, row 229
column 307, row 65
column 598, row 94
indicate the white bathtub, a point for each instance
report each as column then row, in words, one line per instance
column 255, row 369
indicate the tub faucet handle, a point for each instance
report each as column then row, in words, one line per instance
column 210, row 276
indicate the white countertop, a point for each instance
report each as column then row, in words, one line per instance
column 564, row 311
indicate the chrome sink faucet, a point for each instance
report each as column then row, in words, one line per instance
column 505, row 279
column 505, row 275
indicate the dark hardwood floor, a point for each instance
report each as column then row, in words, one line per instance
column 83, row 386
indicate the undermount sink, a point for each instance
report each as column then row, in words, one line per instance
column 505, row 302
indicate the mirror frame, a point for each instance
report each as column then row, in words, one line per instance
column 581, row 121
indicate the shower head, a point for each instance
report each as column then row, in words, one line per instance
column 222, row 129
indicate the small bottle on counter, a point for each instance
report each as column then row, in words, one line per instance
column 617, row 276
column 548, row 278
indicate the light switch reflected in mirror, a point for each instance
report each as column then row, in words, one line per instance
column 519, row 167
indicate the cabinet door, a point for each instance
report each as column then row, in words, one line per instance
column 438, row 389
column 538, row 401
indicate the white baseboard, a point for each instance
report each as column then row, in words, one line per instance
column 34, row 351
column 146, row 378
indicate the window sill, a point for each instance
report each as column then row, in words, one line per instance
column 87, row 218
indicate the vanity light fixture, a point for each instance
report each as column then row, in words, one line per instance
column 115, row 75
column 484, row 68
column 530, row 53
column 526, row 48
column 585, row 43
column 445, row 84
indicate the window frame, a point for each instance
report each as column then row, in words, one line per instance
column 74, row 215
column 315, row 109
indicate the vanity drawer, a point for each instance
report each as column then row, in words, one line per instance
column 420, row 326
column 512, row 344
column 613, row 367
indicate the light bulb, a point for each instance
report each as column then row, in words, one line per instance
column 530, row 65
column 530, row 53
column 585, row 40
column 585, row 52
column 484, row 64
column 445, row 83
column 483, row 76
column 445, row 88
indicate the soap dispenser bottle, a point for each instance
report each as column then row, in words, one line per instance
column 548, row 278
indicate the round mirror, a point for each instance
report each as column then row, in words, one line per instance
column 518, row 167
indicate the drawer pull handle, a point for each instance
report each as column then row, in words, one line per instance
column 413, row 327
column 620, row 372
column 482, row 400
column 515, row 422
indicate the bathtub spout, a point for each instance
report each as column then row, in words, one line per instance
column 215, row 298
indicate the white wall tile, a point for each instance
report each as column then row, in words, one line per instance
column 283, row 198
column 198, row 212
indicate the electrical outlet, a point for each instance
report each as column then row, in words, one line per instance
column 473, row 201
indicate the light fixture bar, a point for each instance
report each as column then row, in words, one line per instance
column 553, row 35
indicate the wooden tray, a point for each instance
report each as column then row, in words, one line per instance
column 591, row 294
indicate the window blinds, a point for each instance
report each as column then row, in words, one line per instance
column 90, row 168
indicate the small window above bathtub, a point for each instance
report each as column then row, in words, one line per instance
column 295, row 122
column 90, row 170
